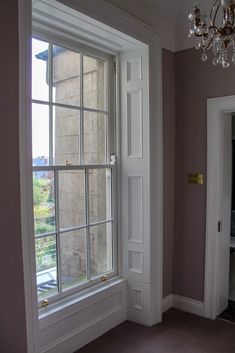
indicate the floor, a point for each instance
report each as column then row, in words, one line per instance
column 232, row 274
column 229, row 313
column 178, row 333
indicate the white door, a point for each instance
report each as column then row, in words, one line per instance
column 225, row 210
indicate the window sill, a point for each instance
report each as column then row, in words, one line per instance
column 74, row 303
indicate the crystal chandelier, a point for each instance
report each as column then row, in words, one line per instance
column 221, row 39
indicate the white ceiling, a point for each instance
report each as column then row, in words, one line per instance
column 168, row 18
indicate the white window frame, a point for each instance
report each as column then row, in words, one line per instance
column 125, row 24
column 109, row 111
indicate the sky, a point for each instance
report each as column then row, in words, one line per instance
column 40, row 113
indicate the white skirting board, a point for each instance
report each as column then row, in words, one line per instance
column 167, row 303
column 182, row 303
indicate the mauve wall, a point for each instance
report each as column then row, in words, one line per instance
column 195, row 82
column 12, row 307
column 168, row 86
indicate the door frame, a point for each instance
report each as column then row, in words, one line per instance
column 216, row 108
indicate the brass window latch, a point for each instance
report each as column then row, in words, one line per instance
column 104, row 278
column 45, row 303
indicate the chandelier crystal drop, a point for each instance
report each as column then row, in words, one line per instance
column 211, row 36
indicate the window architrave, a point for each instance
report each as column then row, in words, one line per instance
column 110, row 16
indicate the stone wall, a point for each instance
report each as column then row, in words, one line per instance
column 66, row 82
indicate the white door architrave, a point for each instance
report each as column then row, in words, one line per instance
column 218, row 204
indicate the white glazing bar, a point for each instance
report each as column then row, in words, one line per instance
column 81, row 112
column 72, row 229
column 114, row 216
column 74, row 167
column 107, row 127
column 94, row 110
column 57, row 223
column 44, row 235
column 107, row 149
column 68, row 106
column 50, row 65
column 87, row 222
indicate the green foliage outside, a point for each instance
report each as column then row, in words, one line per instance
column 44, row 222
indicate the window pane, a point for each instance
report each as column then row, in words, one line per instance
column 44, row 202
column 94, row 83
column 71, row 199
column 101, row 249
column 66, row 76
column 40, row 134
column 66, row 134
column 40, row 88
column 94, row 138
column 46, row 265
column 73, row 256
column 99, row 195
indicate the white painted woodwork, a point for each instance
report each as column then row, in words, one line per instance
column 183, row 303
column 167, row 303
column 135, row 122
column 135, row 208
column 144, row 285
column 64, row 331
column 135, row 261
column 189, row 305
column 225, row 211
column 135, row 181
column 219, row 157
column 54, row 16
column 28, row 249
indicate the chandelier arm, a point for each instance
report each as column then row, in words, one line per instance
column 206, row 46
column 220, row 31
column 211, row 12
column 216, row 12
column 215, row 28
column 206, row 35
column 200, row 35
column 232, row 9
column 209, row 43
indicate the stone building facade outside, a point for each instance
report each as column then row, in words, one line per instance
column 67, row 128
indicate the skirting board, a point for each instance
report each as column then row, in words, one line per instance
column 167, row 303
column 182, row 303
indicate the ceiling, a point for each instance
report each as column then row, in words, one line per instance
column 168, row 18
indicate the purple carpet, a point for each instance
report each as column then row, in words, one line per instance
column 178, row 333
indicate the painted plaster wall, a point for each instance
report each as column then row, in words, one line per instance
column 195, row 83
column 12, row 311
column 168, row 86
